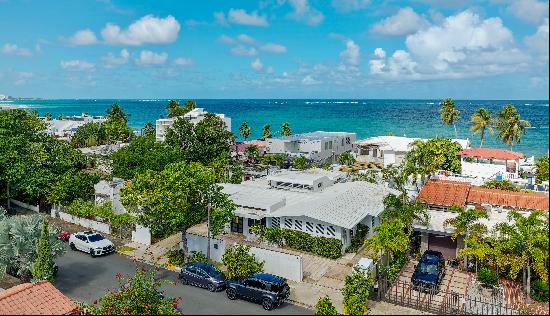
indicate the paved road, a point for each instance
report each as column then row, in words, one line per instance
column 85, row 279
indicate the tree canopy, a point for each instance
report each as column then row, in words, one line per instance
column 510, row 126
column 541, row 173
column 435, row 154
column 481, row 121
column 266, row 131
column 245, row 130
column 449, row 113
column 285, row 129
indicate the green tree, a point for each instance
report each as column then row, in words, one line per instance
column 116, row 125
column 189, row 106
column 143, row 153
column 115, row 112
column 285, row 129
column 346, row 159
column 500, row 185
column 252, row 153
column 48, row 116
column 356, row 291
column 61, row 116
column 324, row 306
column 139, row 294
column 300, row 163
column 43, row 265
column 541, row 169
column 245, row 130
column 279, row 160
column 449, row 113
column 481, row 121
column 72, row 185
column 390, row 238
column 90, row 134
column 510, row 126
column 435, row 154
column 149, row 129
column 203, row 142
column 240, row 263
column 266, row 131
column 236, row 173
column 395, row 208
column 176, row 198
column 173, row 108
column 524, row 244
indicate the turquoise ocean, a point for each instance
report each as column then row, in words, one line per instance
column 366, row 117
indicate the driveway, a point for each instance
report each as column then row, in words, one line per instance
column 85, row 279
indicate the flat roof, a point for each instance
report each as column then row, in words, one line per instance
column 400, row 143
column 317, row 135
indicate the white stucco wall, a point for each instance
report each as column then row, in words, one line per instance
column 483, row 170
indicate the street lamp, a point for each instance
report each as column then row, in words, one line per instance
column 209, row 210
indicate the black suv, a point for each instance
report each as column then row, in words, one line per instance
column 429, row 271
column 270, row 290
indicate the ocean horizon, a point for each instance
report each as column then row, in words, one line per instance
column 366, row 117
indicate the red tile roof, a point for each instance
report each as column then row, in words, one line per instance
column 491, row 153
column 525, row 200
column 40, row 298
column 444, row 193
column 448, row 193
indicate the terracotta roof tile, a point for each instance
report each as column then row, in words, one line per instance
column 491, row 153
column 444, row 193
column 40, row 298
column 525, row 200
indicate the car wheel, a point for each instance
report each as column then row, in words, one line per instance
column 267, row 304
column 231, row 293
column 211, row 287
column 92, row 253
column 72, row 246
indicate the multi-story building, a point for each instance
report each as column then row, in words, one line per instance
column 490, row 163
column 66, row 127
column 193, row 116
column 317, row 146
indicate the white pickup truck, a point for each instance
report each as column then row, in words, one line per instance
column 91, row 242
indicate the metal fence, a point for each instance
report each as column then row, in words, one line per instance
column 437, row 301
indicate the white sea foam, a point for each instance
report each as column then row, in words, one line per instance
column 430, row 103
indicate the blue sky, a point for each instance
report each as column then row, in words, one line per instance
column 494, row 49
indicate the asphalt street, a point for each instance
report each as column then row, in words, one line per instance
column 85, row 279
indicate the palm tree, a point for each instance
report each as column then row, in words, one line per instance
column 285, row 129
column 482, row 120
column 245, row 130
column 189, row 105
column 300, row 162
column 524, row 242
column 407, row 212
column 48, row 116
column 266, row 133
column 449, row 113
column 510, row 126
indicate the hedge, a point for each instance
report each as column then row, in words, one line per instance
column 321, row 246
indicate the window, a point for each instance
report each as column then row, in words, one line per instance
column 255, row 284
column 348, row 141
column 288, row 222
column 320, row 229
column 342, row 142
column 83, row 238
column 96, row 237
column 372, row 222
column 275, row 222
column 330, row 145
column 331, row 231
column 191, row 269
column 298, row 225
column 309, row 227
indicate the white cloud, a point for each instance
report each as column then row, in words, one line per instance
column 22, row 77
column 220, row 18
column 83, row 37
column 309, row 80
column 243, row 51
column 538, row 42
column 183, row 61
column 257, row 64
column 464, row 45
column 147, row 30
column 13, row 49
column 530, row 11
column 77, row 65
column 351, row 54
column 302, row 11
column 404, row 22
column 111, row 60
column 246, row 39
column 349, row 5
column 226, row 39
column 240, row 16
column 273, row 48
column 149, row 58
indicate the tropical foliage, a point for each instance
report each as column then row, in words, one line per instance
column 510, row 126
column 481, row 121
column 245, row 130
column 346, row 159
column 500, row 185
column 541, row 173
column 539, row 291
column 266, row 131
column 356, row 292
column 300, row 163
column 389, row 238
column 73, row 185
column 324, row 306
column 396, row 208
column 449, row 113
column 285, row 129
column 114, row 129
column 43, row 265
column 252, row 153
column 240, row 263
column 148, row 129
column 273, row 159
column 435, row 154
column 174, row 109
column 487, row 277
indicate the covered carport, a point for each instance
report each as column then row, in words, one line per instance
column 442, row 243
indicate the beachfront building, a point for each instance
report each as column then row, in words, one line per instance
column 490, row 163
column 315, row 146
column 389, row 150
column 66, row 127
column 194, row 116
column 109, row 191
column 315, row 201
column 440, row 195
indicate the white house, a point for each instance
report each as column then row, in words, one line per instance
column 66, row 127
column 490, row 163
column 193, row 116
column 389, row 150
column 109, row 191
column 318, row 146
column 314, row 201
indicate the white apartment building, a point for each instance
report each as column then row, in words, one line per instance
column 490, row 163
column 317, row 146
column 389, row 150
column 315, row 201
column 193, row 116
column 66, row 127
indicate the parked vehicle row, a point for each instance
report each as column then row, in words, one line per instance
column 269, row 290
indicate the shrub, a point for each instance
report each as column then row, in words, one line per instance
column 500, row 185
column 487, row 277
column 88, row 209
column 359, row 238
column 270, row 234
column 176, row 257
column 197, row 256
column 240, row 263
column 321, row 246
column 324, row 307
column 539, row 291
column 399, row 260
column 356, row 292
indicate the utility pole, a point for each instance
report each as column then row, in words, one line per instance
column 208, row 207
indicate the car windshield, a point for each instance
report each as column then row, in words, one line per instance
column 427, row 268
column 96, row 237
column 278, row 288
column 211, row 270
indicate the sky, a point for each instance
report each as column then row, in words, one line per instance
column 493, row 49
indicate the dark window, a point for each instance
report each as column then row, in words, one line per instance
column 237, row 225
column 255, row 284
column 96, row 237
column 192, row 269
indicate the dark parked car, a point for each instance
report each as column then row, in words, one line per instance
column 202, row 275
column 429, row 271
column 270, row 290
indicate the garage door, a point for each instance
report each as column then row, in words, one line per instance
column 443, row 244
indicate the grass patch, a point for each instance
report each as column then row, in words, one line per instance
column 125, row 249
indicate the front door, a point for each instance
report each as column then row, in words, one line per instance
column 237, row 225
